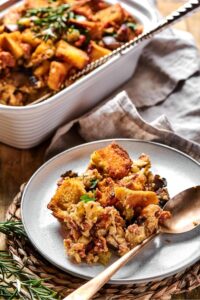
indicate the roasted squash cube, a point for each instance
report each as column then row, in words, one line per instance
column 37, row 3
column 110, row 15
column 44, row 51
column 13, row 46
column 97, row 51
column 95, row 29
column 28, row 37
column 2, row 37
column 43, row 69
column 57, row 74
column 71, row 54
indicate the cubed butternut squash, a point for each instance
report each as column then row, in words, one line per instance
column 1, row 29
column 112, row 14
column 13, row 46
column 44, row 51
column 38, row 3
column 97, row 51
column 95, row 29
column 28, row 37
column 43, row 69
column 16, row 35
column 74, row 56
column 2, row 37
column 57, row 74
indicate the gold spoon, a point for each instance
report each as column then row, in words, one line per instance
column 185, row 211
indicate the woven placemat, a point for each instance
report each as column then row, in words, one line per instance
column 23, row 251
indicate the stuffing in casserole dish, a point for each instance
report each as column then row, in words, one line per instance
column 43, row 42
column 114, row 205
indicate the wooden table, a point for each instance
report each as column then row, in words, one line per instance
column 16, row 166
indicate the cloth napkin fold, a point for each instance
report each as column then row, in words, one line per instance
column 119, row 118
column 161, row 102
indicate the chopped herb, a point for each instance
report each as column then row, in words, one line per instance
column 51, row 22
column 85, row 198
column 94, row 183
column 132, row 26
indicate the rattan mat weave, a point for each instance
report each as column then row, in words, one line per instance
column 63, row 283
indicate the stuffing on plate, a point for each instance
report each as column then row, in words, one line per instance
column 113, row 206
column 44, row 42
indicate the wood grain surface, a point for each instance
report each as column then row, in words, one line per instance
column 16, row 166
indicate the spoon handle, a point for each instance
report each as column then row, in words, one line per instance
column 89, row 289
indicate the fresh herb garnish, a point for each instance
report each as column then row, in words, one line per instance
column 16, row 282
column 86, row 198
column 13, row 227
column 50, row 22
column 94, row 183
column 132, row 26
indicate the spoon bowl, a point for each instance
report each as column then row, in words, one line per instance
column 185, row 212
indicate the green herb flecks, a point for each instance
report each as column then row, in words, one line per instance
column 94, row 183
column 86, row 198
column 50, row 22
column 132, row 26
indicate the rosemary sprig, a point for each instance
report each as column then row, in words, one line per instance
column 15, row 283
column 12, row 227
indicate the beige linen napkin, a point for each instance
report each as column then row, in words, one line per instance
column 119, row 118
column 161, row 102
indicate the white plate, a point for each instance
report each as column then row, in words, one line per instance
column 165, row 255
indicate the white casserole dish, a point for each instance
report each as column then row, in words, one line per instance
column 26, row 127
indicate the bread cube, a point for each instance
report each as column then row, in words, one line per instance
column 111, row 161
column 134, row 199
column 69, row 192
column 71, row 54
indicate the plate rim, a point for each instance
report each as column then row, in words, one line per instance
column 112, row 281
